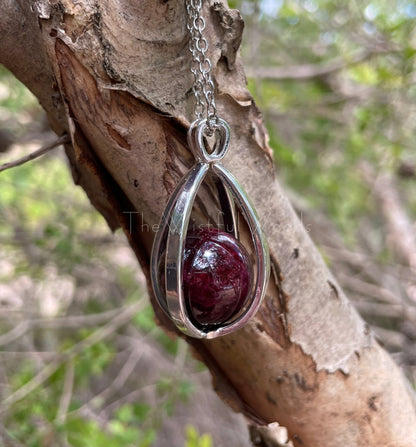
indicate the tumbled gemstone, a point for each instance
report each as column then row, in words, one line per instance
column 217, row 275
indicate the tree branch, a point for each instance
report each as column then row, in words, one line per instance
column 72, row 321
column 36, row 154
column 309, row 71
column 128, row 115
column 401, row 233
column 66, row 396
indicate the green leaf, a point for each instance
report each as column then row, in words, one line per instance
column 185, row 389
column 192, row 438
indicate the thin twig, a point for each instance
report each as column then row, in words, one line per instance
column 180, row 358
column 125, row 372
column 118, row 383
column 75, row 321
column 66, row 396
column 390, row 311
column 36, row 154
column 17, row 332
column 400, row 232
column 310, row 71
column 393, row 339
column 6, row 439
column 367, row 289
column 131, row 396
column 71, row 321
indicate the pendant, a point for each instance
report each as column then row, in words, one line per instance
column 205, row 280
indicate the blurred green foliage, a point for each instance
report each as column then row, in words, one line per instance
column 14, row 96
column 322, row 128
column 193, row 439
column 47, row 223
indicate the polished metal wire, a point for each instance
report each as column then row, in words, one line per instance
column 167, row 258
column 169, row 244
column 203, row 86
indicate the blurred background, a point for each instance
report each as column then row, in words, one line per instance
column 82, row 362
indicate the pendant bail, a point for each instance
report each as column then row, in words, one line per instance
column 198, row 144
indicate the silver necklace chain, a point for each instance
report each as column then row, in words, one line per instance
column 170, row 241
column 201, row 65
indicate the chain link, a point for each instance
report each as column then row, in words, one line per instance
column 201, row 65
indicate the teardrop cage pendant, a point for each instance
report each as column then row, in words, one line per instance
column 169, row 255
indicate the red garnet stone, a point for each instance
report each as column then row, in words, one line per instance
column 217, row 275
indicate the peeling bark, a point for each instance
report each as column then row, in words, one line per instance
column 114, row 75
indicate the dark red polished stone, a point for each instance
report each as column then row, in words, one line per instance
column 217, row 275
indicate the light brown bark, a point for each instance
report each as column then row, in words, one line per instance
column 114, row 74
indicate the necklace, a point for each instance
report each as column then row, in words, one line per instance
column 205, row 279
